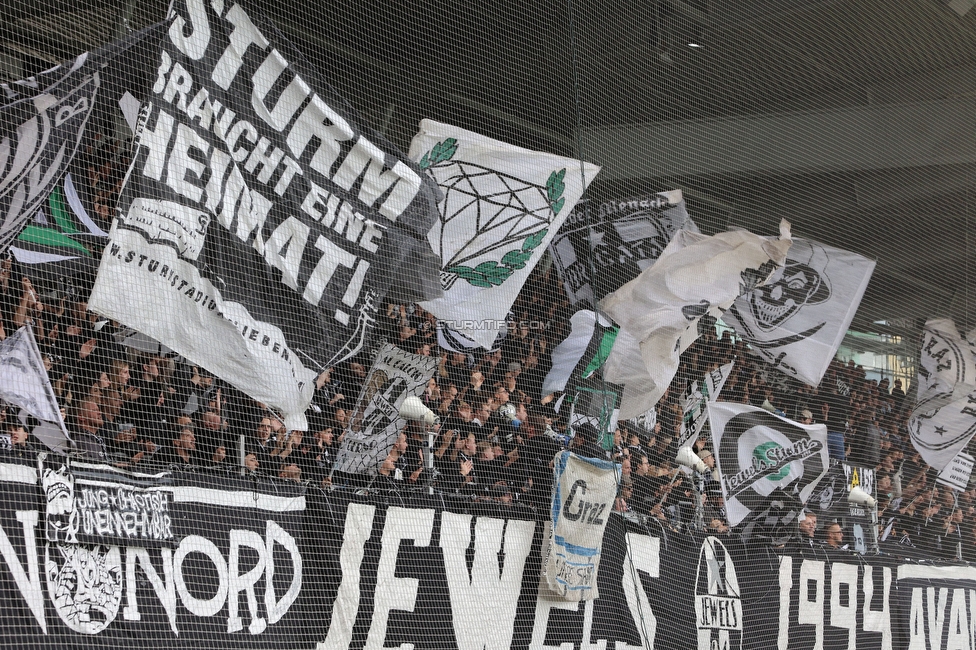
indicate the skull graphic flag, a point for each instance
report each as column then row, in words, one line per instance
column 658, row 312
column 797, row 320
column 502, row 206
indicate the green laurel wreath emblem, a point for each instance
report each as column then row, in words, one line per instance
column 492, row 274
column 441, row 151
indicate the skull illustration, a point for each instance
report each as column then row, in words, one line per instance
column 59, row 488
column 801, row 282
column 85, row 585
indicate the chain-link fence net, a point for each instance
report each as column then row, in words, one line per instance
column 486, row 325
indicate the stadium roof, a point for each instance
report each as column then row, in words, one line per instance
column 856, row 121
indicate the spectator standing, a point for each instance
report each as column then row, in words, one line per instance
column 87, row 430
column 835, row 536
column 835, row 408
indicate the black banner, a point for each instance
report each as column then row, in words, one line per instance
column 617, row 239
column 263, row 564
column 260, row 220
column 235, row 568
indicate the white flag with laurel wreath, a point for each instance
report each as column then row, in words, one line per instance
column 502, row 206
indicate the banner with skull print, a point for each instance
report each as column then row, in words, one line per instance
column 658, row 312
column 604, row 245
column 798, row 319
column 502, row 206
column 97, row 504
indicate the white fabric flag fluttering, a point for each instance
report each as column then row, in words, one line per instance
column 502, row 206
column 944, row 419
column 797, row 320
column 573, row 350
column 757, row 452
column 658, row 312
column 695, row 400
column 24, row 383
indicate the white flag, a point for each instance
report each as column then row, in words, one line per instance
column 956, row 474
column 757, row 452
column 943, row 424
column 502, row 206
column 944, row 419
column 797, row 320
column 658, row 312
column 946, row 359
column 376, row 422
column 583, row 492
column 694, row 402
column 644, row 423
column 581, row 353
column 24, row 382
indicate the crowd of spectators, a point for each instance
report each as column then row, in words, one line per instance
column 136, row 406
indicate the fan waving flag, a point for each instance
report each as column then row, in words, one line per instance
column 603, row 246
column 502, row 206
column 758, row 452
column 260, row 222
column 658, row 312
column 797, row 320
column 24, row 382
column 944, row 420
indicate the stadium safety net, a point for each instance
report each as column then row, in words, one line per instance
column 563, row 324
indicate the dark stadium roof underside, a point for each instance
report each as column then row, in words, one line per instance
column 856, row 121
